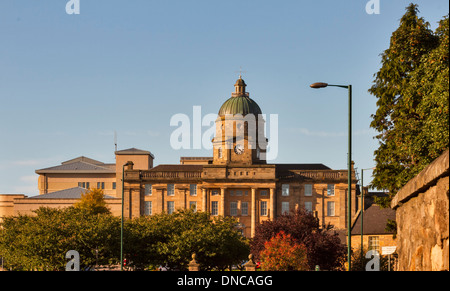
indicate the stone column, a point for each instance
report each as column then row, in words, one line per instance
column 162, row 200
column 222, row 202
column 272, row 204
column 204, row 200
column 135, row 197
column 253, row 213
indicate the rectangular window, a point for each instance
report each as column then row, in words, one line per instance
column 148, row 190
column 114, row 185
column 170, row 207
column 244, row 208
column 263, row 208
column 284, row 207
column 193, row 189
column 330, row 190
column 238, row 192
column 215, row 192
column 100, row 185
column 214, row 208
column 285, row 190
column 84, row 185
column 374, row 243
column 170, row 189
column 88, row 185
column 308, row 206
column 263, row 193
column 193, row 206
column 220, row 153
column 233, row 208
column 308, row 189
column 148, row 208
column 330, row 208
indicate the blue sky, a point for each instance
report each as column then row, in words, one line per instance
column 67, row 82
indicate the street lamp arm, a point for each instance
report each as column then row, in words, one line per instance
column 324, row 85
column 340, row 86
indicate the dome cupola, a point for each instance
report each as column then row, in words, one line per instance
column 240, row 102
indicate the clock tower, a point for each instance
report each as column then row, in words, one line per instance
column 240, row 138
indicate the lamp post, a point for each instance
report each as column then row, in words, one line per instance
column 129, row 163
column 349, row 200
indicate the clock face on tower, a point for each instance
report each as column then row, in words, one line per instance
column 239, row 149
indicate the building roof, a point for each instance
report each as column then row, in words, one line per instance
column 134, row 151
column 310, row 167
column 83, row 159
column 72, row 193
column 176, row 167
column 87, row 165
column 196, row 158
column 240, row 82
column 240, row 102
column 291, row 170
column 240, row 105
column 375, row 220
column 79, row 165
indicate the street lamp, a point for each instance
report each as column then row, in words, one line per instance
column 129, row 163
column 349, row 200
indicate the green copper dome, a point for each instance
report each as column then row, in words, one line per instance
column 240, row 105
column 240, row 102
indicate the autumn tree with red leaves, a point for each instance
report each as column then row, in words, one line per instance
column 282, row 253
column 323, row 246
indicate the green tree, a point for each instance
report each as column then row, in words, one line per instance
column 282, row 253
column 93, row 200
column 412, row 107
column 40, row 242
column 171, row 239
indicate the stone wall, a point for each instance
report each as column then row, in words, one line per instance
column 422, row 214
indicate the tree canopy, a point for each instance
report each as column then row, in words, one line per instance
column 171, row 239
column 40, row 241
column 282, row 253
column 323, row 246
column 93, row 200
column 411, row 88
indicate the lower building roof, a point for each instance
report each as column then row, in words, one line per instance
column 71, row 193
column 375, row 220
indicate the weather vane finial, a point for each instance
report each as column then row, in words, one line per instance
column 240, row 72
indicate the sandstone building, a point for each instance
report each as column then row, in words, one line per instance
column 236, row 181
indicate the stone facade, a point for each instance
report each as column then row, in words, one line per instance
column 422, row 209
column 235, row 181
